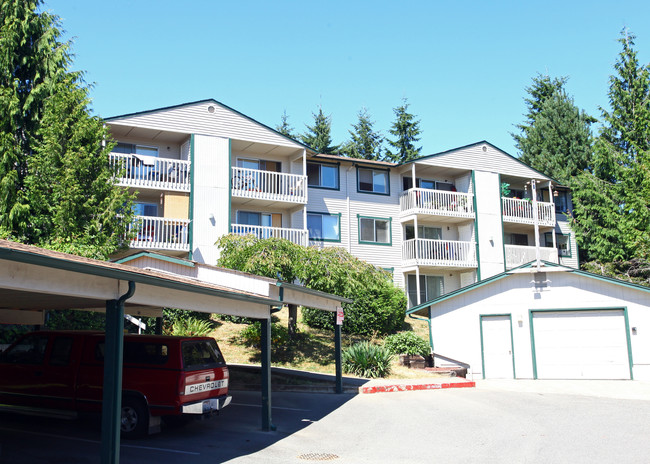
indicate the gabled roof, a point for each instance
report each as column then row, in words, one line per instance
column 517, row 270
column 120, row 118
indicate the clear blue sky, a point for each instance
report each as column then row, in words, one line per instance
column 463, row 66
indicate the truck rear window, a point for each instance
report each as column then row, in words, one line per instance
column 139, row 353
column 201, row 354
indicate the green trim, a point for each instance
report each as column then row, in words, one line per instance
column 478, row 252
column 331, row 240
column 560, row 234
column 387, row 170
column 158, row 256
column 503, row 233
column 390, row 230
column 559, row 310
column 512, row 341
column 190, row 233
column 338, row 176
column 229, row 186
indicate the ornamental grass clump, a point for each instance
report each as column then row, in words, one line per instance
column 367, row 360
column 191, row 327
column 406, row 343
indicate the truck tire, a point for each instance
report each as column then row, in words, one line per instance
column 134, row 422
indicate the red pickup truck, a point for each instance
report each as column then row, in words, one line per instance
column 162, row 376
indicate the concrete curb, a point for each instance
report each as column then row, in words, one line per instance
column 412, row 386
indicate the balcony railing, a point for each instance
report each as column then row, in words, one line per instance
column 297, row 236
column 160, row 233
column 437, row 202
column 521, row 211
column 268, row 185
column 517, row 255
column 445, row 253
column 152, row 172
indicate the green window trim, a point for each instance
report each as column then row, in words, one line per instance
column 370, row 192
column 320, row 213
column 321, row 187
column 568, row 242
column 390, row 230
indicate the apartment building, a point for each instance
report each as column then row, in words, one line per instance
column 436, row 224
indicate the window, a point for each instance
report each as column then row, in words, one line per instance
column 519, row 239
column 432, row 233
column 323, row 175
column 260, row 165
column 430, row 287
column 145, row 209
column 324, row 227
column 133, row 149
column 373, row 181
column 254, row 219
column 374, row 230
column 563, row 244
column 561, row 202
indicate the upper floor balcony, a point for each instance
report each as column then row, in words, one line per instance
column 521, row 212
column 268, row 185
column 297, row 236
column 156, row 233
column 437, row 202
column 517, row 255
column 152, row 172
column 439, row 253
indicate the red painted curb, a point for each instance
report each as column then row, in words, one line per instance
column 412, row 387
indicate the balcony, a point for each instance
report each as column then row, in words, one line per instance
column 517, row 255
column 156, row 233
column 268, row 185
column 521, row 212
column 297, row 236
column 437, row 203
column 439, row 253
column 152, row 172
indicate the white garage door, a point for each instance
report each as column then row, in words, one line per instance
column 581, row 345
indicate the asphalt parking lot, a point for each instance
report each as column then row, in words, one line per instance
column 488, row 424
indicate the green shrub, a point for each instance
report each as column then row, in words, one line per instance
column 367, row 360
column 69, row 319
column 252, row 335
column 191, row 327
column 406, row 343
column 10, row 333
column 236, row 319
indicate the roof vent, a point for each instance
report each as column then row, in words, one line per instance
column 484, row 148
column 210, row 109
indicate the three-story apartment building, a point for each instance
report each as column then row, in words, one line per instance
column 436, row 224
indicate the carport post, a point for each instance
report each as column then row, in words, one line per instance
column 112, row 397
column 265, row 341
column 337, row 358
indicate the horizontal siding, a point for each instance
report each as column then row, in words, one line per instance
column 195, row 119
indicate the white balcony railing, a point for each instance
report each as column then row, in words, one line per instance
column 152, row 172
column 521, row 211
column 517, row 255
column 437, row 202
column 160, row 233
column 268, row 185
column 297, row 236
column 446, row 253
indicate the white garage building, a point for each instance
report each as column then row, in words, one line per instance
column 548, row 323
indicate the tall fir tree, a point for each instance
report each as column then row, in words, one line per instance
column 619, row 169
column 57, row 188
column 556, row 138
column 364, row 141
column 284, row 127
column 319, row 136
column 406, row 130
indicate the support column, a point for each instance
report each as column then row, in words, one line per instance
column 159, row 326
column 337, row 358
column 265, row 341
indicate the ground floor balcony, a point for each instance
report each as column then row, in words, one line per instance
column 439, row 253
column 517, row 255
column 521, row 212
column 268, row 185
column 151, row 172
column 297, row 236
column 156, row 233
column 442, row 203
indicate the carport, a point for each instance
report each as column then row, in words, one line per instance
column 33, row 279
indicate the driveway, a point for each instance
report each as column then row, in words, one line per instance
column 497, row 422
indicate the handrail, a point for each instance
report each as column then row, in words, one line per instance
column 441, row 202
column 268, row 185
column 440, row 252
column 297, row 236
column 160, row 233
column 152, row 172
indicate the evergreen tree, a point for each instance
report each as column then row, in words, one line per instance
column 556, row 138
column 284, row 127
column 406, row 130
column 364, row 141
column 57, row 189
column 620, row 169
column 318, row 136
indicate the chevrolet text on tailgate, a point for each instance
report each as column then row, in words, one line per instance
column 163, row 377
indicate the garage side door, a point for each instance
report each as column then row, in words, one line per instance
column 580, row 344
column 496, row 340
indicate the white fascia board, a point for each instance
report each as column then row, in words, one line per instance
column 17, row 316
